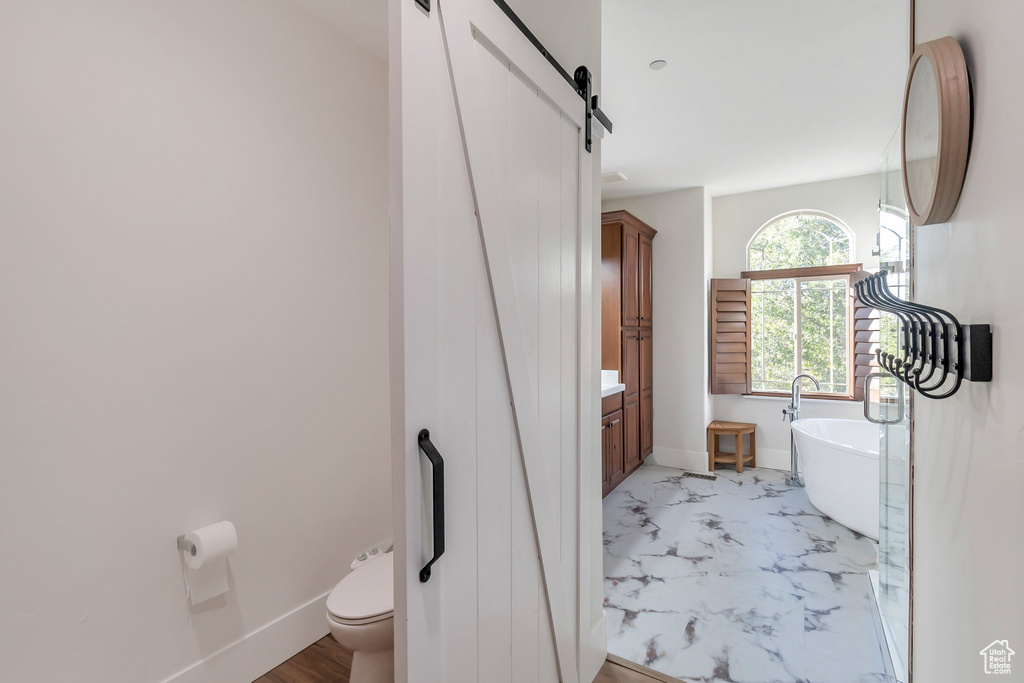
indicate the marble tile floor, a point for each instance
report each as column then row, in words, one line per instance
column 737, row 580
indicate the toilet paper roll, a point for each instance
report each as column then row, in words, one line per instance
column 212, row 543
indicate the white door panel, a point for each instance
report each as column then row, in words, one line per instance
column 490, row 240
column 510, row 227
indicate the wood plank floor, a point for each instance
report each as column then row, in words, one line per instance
column 322, row 662
column 327, row 662
column 613, row 672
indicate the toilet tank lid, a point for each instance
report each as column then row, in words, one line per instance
column 369, row 591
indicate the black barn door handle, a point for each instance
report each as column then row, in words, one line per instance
column 437, row 464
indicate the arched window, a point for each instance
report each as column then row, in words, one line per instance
column 801, row 239
column 800, row 318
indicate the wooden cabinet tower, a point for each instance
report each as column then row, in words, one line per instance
column 627, row 337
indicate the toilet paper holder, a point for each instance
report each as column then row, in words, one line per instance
column 187, row 546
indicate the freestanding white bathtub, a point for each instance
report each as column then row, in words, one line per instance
column 839, row 459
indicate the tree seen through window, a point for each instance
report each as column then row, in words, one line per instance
column 800, row 324
column 799, row 240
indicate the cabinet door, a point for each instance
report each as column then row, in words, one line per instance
column 646, row 426
column 631, row 398
column 644, row 277
column 606, row 464
column 612, row 452
column 646, row 353
column 630, row 437
column 631, row 365
column 630, row 277
column 646, row 342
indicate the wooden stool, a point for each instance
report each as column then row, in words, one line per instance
column 737, row 429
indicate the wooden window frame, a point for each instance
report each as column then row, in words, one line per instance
column 845, row 270
column 812, row 271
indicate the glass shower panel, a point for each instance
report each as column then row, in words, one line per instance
column 893, row 581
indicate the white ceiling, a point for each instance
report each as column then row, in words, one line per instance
column 756, row 94
column 364, row 22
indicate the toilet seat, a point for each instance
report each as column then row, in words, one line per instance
column 366, row 595
column 361, row 622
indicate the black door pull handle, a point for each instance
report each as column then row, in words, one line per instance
column 437, row 465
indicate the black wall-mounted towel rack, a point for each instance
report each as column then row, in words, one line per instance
column 936, row 352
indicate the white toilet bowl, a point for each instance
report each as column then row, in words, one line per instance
column 361, row 616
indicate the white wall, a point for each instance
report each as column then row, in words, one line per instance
column 969, row 449
column 681, row 255
column 194, row 300
column 736, row 218
column 569, row 29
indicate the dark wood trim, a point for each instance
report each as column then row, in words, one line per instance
column 812, row 271
column 619, row 670
column 786, row 394
column 865, row 340
column 629, row 219
column 842, row 270
column 730, row 337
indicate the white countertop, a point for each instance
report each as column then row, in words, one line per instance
column 610, row 383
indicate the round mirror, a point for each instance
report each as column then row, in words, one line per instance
column 922, row 133
column 936, row 130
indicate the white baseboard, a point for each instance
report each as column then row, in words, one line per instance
column 773, row 458
column 697, row 461
column 258, row 652
column 694, row 461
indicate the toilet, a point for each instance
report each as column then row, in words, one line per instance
column 361, row 616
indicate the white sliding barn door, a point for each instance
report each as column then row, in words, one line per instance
column 492, row 298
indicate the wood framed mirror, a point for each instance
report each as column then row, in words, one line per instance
column 936, row 130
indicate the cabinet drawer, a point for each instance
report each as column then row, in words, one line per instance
column 609, row 404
